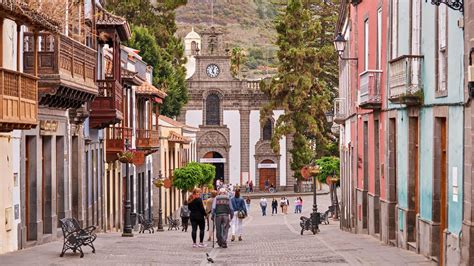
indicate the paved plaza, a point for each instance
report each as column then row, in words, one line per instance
column 269, row 240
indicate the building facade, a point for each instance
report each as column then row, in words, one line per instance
column 422, row 97
column 227, row 112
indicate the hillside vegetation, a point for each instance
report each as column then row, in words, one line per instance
column 246, row 23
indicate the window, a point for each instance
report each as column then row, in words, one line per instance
column 379, row 38
column 442, row 58
column 366, row 44
column 394, row 29
column 267, row 130
column 193, row 48
column 213, row 110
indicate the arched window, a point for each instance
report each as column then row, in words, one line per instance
column 213, row 110
column 193, row 48
column 267, row 130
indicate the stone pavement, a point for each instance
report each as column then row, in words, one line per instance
column 269, row 240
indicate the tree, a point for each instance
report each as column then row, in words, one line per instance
column 186, row 178
column 328, row 166
column 159, row 19
column 237, row 60
column 302, row 87
column 209, row 173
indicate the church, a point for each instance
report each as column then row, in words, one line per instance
column 227, row 112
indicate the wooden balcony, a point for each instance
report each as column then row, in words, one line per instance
column 18, row 100
column 405, row 81
column 340, row 113
column 370, row 86
column 147, row 139
column 108, row 105
column 66, row 69
column 115, row 141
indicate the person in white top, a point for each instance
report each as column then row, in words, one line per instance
column 263, row 206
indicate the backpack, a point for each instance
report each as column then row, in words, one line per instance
column 185, row 212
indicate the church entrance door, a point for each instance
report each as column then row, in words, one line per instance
column 218, row 161
column 267, row 171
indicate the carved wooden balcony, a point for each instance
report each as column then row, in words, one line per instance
column 66, row 69
column 405, row 81
column 115, row 141
column 340, row 113
column 18, row 100
column 108, row 105
column 370, row 85
column 147, row 139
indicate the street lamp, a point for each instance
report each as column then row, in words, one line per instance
column 453, row 4
column 127, row 229
column 160, row 211
column 329, row 116
column 340, row 45
column 315, row 215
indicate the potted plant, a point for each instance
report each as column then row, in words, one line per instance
column 328, row 169
column 125, row 157
column 158, row 182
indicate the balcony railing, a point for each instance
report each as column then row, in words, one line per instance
column 18, row 100
column 108, row 105
column 148, row 139
column 115, row 141
column 405, row 81
column 66, row 69
column 370, row 85
column 340, row 113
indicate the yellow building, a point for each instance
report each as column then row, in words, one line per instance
column 175, row 151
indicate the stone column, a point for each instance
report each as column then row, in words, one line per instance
column 245, row 142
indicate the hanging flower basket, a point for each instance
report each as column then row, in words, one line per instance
column 159, row 183
column 138, row 158
column 125, row 157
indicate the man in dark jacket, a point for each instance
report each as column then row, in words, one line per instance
column 222, row 213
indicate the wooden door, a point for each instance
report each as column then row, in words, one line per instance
column 443, row 191
column 267, row 173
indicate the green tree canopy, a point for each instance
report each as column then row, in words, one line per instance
column 167, row 58
column 303, row 86
column 328, row 166
column 209, row 173
column 186, row 178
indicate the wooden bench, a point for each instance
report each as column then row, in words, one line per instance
column 173, row 223
column 75, row 237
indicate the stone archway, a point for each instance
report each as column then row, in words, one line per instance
column 213, row 147
column 267, row 174
column 266, row 163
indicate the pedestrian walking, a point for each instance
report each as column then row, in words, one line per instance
column 247, row 203
column 263, row 206
column 274, row 206
column 222, row 213
column 210, row 222
column 301, row 205
column 185, row 213
column 284, row 205
column 197, row 217
column 251, row 185
column 297, row 203
column 240, row 212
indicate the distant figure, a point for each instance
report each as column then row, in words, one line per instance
column 247, row 188
column 251, row 185
column 267, row 184
column 210, row 222
column 297, row 205
column 247, row 203
column 274, row 206
column 185, row 213
column 263, row 206
column 222, row 213
column 284, row 203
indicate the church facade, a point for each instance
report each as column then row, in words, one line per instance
column 227, row 112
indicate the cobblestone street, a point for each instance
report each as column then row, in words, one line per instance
column 270, row 240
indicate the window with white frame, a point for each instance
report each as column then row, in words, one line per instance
column 442, row 45
column 394, row 33
column 366, row 44
column 379, row 38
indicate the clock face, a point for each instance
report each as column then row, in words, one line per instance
column 212, row 70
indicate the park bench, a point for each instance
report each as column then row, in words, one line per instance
column 173, row 223
column 75, row 237
column 145, row 225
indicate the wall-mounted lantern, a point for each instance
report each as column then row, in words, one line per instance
column 453, row 4
column 340, row 45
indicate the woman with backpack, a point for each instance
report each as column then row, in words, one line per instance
column 240, row 212
column 185, row 213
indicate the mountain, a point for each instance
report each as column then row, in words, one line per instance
column 246, row 23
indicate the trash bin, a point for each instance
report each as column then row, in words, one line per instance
column 133, row 219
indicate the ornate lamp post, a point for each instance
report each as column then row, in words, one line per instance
column 160, row 211
column 340, row 45
column 315, row 215
column 127, row 229
column 453, row 4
